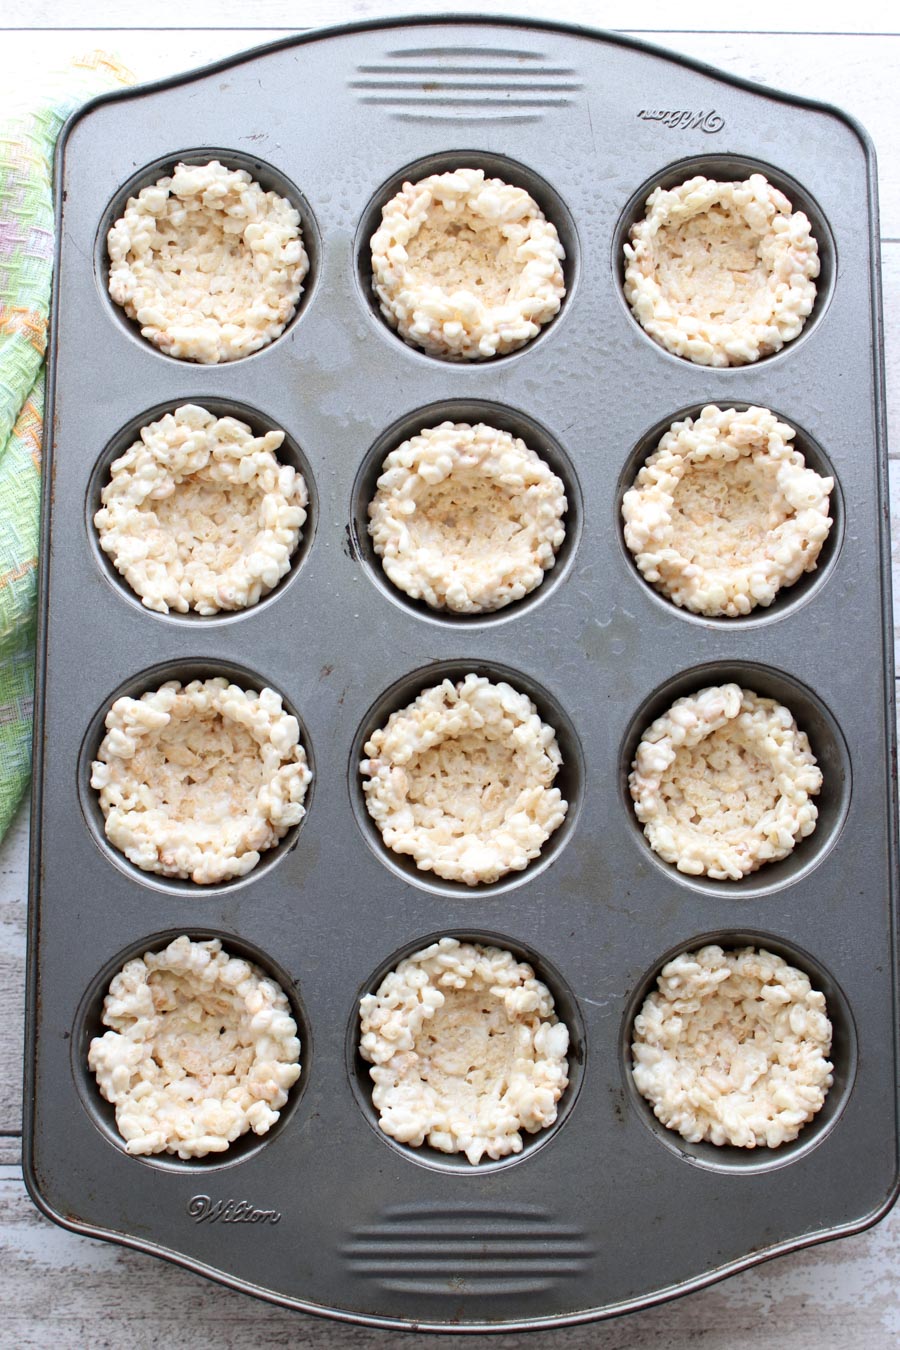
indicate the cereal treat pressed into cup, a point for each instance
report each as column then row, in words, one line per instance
column 732, row 1047
column 466, row 1050
column 467, row 518
column 202, row 1047
column 725, row 512
column 721, row 273
column 209, row 264
column 199, row 514
column 723, row 782
column 196, row 781
column 461, row 780
column 466, row 266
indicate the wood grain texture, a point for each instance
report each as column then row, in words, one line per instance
column 64, row 1291
column 13, row 909
column 766, row 16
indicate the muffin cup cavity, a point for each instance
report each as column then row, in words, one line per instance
column 184, row 671
column 828, row 746
column 266, row 175
column 731, row 168
column 471, row 411
column 843, row 1056
column 788, row 598
column 89, row 1023
column 565, row 1008
column 493, row 166
column 289, row 453
column 570, row 777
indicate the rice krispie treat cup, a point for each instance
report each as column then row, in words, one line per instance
column 200, row 515
column 466, row 1050
column 207, row 263
column 461, row 780
column 732, row 1047
column 202, row 1047
column 466, row 267
column 721, row 273
column 725, row 513
column 467, row 517
column 197, row 780
column 724, row 782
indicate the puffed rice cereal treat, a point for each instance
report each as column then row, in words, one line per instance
column 199, row 514
column 466, row 1050
column 721, row 273
column 196, row 781
column 467, row 518
column 461, row 780
column 725, row 512
column 466, row 266
column 723, row 782
column 207, row 263
column 732, row 1047
column 201, row 1048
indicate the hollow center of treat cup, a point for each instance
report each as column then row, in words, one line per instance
column 467, row 1050
column 710, row 266
column 210, row 524
column 724, row 511
column 205, row 770
column 474, row 514
column 466, row 785
column 208, row 262
column 720, row 789
column 460, row 252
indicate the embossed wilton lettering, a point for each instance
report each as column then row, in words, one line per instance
column 202, row 1209
column 684, row 120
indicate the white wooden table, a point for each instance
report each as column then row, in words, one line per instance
column 60, row 1290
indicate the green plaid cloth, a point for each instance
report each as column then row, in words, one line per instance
column 26, row 265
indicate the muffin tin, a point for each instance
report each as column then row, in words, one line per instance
column 605, row 1211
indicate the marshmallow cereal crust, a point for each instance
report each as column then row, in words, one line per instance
column 209, row 264
column 199, row 514
column 732, row 1047
column 721, row 273
column 461, row 780
column 725, row 512
column 723, row 782
column 201, row 1048
column 197, row 781
column 466, row 1050
column 466, row 267
column 467, row 518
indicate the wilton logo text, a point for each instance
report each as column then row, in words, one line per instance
column 204, row 1210
column 685, row 121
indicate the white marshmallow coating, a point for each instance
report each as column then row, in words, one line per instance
column 466, row 518
column 725, row 513
column 466, row 1050
column 199, row 514
column 723, row 782
column 732, row 1047
column 466, row 267
column 721, row 273
column 201, row 1048
column 197, row 781
column 207, row 263
column 461, row 780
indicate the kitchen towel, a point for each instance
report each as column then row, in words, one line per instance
column 27, row 143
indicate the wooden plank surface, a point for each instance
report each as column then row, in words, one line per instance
column 61, row 1290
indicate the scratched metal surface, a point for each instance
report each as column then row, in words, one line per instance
column 410, row 1238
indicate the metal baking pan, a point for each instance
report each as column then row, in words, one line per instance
column 606, row 1211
